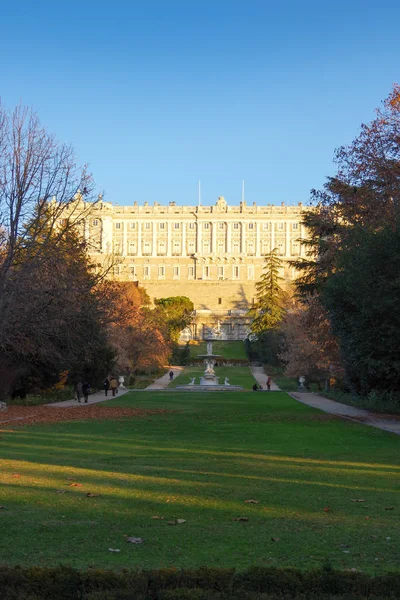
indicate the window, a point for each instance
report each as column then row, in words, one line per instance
column 191, row 272
column 220, row 225
column 147, row 225
column 146, row 272
column 251, row 225
column 265, row 248
column 206, row 247
column 295, row 248
column 132, row 248
column 236, row 226
column 235, row 272
column 250, row 247
column 132, row 270
column 265, row 226
column 236, row 247
column 132, row 225
column 175, row 272
column 191, row 225
column 220, row 272
column 250, row 272
column 95, row 222
column 115, row 270
column 176, row 247
column 117, row 246
column 221, row 247
column 161, row 272
column 206, row 272
column 118, row 226
column 161, row 226
column 146, row 248
column 280, row 226
column 295, row 226
column 191, row 246
column 281, row 248
column 177, row 225
column 219, row 300
column 206, row 225
column 161, row 248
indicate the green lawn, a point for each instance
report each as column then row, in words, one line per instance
column 201, row 463
column 236, row 375
column 226, row 349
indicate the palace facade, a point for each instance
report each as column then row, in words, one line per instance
column 212, row 254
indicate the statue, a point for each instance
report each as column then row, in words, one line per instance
column 302, row 387
column 226, row 382
column 209, row 347
column 121, row 381
column 192, row 381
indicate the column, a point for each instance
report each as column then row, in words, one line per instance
column 272, row 235
column 169, row 238
column 213, row 237
column 229, row 237
column 287, row 240
column 301, row 239
column 257, row 239
column 153, row 238
column 106, row 234
column 139, row 239
column 123, row 238
column 183, row 225
column 198, row 237
column 243, row 237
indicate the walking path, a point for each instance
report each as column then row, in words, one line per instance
column 93, row 399
column 162, row 382
column 359, row 415
column 261, row 378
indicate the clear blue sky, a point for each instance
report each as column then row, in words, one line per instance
column 156, row 94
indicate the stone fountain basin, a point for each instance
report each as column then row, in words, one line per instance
column 209, row 356
column 209, row 388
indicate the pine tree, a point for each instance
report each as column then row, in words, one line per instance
column 269, row 308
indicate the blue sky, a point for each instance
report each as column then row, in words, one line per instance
column 158, row 94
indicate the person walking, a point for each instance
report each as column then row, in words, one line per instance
column 113, row 385
column 106, row 386
column 86, row 391
column 78, row 391
column 269, row 381
column 171, row 375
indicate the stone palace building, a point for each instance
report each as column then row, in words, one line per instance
column 212, row 254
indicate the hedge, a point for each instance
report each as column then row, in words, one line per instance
column 257, row 583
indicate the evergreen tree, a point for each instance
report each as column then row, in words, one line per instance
column 269, row 308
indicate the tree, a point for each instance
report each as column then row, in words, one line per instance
column 310, row 348
column 176, row 313
column 269, row 308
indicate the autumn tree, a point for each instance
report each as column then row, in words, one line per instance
column 175, row 313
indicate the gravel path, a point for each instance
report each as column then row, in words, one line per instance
column 381, row 421
column 261, row 378
column 162, row 382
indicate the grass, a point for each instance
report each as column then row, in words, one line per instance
column 200, row 463
column 230, row 350
column 236, row 375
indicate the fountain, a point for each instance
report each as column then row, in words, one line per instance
column 209, row 382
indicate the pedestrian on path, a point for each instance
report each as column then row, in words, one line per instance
column 78, row 391
column 171, row 375
column 86, row 391
column 106, row 386
column 269, row 381
column 113, row 385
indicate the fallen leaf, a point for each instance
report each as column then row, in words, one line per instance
column 241, row 519
column 358, row 500
column 366, row 519
column 171, row 522
column 134, row 540
column 326, row 509
column 180, row 521
column 75, row 485
column 251, row 502
column 16, row 475
column 157, row 517
column 90, row 495
column 114, row 550
column 389, row 508
column 275, row 539
column 346, row 551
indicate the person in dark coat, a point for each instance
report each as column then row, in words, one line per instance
column 106, row 386
column 85, row 391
